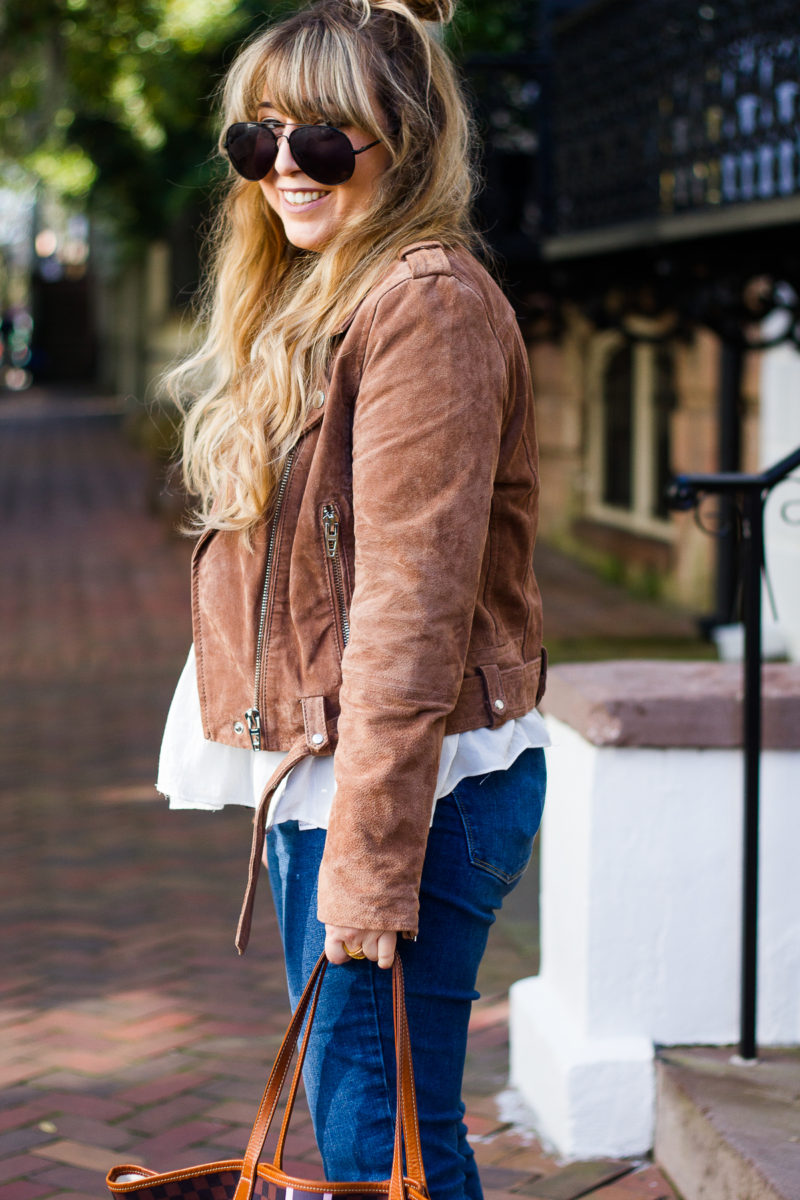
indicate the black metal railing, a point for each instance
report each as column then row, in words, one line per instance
column 749, row 493
column 661, row 107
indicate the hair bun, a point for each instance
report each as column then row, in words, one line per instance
column 441, row 11
column 433, row 10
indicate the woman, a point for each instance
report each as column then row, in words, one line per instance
column 359, row 434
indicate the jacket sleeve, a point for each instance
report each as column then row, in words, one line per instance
column 426, row 437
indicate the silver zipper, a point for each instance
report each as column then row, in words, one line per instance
column 330, row 526
column 253, row 716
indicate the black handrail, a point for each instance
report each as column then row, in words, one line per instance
column 685, row 492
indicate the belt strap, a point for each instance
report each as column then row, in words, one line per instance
column 298, row 751
column 316, row 740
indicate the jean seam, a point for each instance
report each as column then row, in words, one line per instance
column 490, row 870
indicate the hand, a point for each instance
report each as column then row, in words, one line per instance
column 378, row 944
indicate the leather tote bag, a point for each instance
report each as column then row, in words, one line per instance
column 243, row 1178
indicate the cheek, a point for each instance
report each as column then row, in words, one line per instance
column 361, row 193
column 369, row 182
column 272, row 202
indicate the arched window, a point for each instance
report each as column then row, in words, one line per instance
column 631, row 396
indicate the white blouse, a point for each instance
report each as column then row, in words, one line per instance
column 196, row 773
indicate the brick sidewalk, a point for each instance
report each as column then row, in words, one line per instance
column 131, row 1029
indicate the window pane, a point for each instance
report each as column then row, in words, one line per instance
column 618, row 429
column 663, row 405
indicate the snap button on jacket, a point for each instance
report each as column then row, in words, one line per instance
column 389, row 598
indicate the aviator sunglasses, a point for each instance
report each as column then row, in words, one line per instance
column 322, row 152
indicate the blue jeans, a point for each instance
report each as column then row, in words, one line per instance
column 479, row 845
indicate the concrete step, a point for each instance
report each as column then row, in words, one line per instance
column 728, row 1130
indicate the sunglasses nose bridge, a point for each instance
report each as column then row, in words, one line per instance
column 284, row 159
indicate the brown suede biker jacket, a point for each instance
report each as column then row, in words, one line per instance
column 389, row 597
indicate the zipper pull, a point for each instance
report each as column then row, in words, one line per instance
column 331, row 528
column 253, row 718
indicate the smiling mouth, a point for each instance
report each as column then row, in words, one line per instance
column 299, row 199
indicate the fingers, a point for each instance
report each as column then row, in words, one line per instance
column 335, row 937
column 386, row 948
column 378, row 945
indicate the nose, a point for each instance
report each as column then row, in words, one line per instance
column 284, row 163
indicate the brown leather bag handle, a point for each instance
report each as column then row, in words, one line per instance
column 274, row 1087
column 407, row 1092
column 407, row 1095
column 406, row 1121
column 298, row 1071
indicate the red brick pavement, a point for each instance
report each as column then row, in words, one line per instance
column 130, row 1030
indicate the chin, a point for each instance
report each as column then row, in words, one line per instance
column 306, row 240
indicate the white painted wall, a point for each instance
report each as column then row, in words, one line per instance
column 640, row 930
column 779, row 435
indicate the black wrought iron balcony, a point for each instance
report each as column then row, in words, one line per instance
column 672, row 118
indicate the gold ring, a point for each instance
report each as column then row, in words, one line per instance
column 357, row 953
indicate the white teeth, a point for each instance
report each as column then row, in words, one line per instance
column 302, row 197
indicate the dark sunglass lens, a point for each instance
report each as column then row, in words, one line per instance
column 252, row 149
column 324, row 154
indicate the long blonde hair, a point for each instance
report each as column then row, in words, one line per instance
column 270, row 312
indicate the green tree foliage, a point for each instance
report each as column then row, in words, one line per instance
column 494, row 27
column 112, row 99
column 115, row 98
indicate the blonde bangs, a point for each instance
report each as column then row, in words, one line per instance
column 312, row 77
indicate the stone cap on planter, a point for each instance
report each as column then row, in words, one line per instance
column 664, row 703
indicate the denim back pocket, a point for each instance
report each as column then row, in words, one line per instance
column 501, row 813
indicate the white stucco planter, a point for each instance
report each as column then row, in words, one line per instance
column 641, row 893
column 779, row 434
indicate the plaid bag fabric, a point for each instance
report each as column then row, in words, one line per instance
column 250, row 1179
